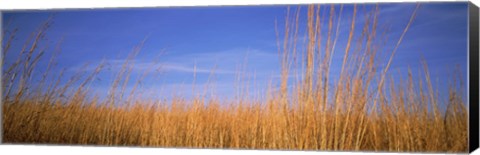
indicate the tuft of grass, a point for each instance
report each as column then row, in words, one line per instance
column 364, row 109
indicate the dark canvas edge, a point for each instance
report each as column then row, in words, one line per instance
column 473, row 76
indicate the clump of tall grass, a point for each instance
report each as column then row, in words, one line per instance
column 364, row 109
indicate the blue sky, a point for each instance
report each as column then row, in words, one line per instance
column 181, row 37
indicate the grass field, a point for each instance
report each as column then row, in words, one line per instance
column 364, row 109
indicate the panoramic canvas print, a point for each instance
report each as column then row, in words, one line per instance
column 376, row 77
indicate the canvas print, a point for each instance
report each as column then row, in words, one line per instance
column 374, row 77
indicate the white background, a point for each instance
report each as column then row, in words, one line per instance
column 57, row 4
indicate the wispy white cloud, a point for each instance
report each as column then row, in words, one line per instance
column 144, row 65
column 221, row 62
column 191, row 69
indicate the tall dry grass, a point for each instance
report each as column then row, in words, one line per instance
column 364, row 109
